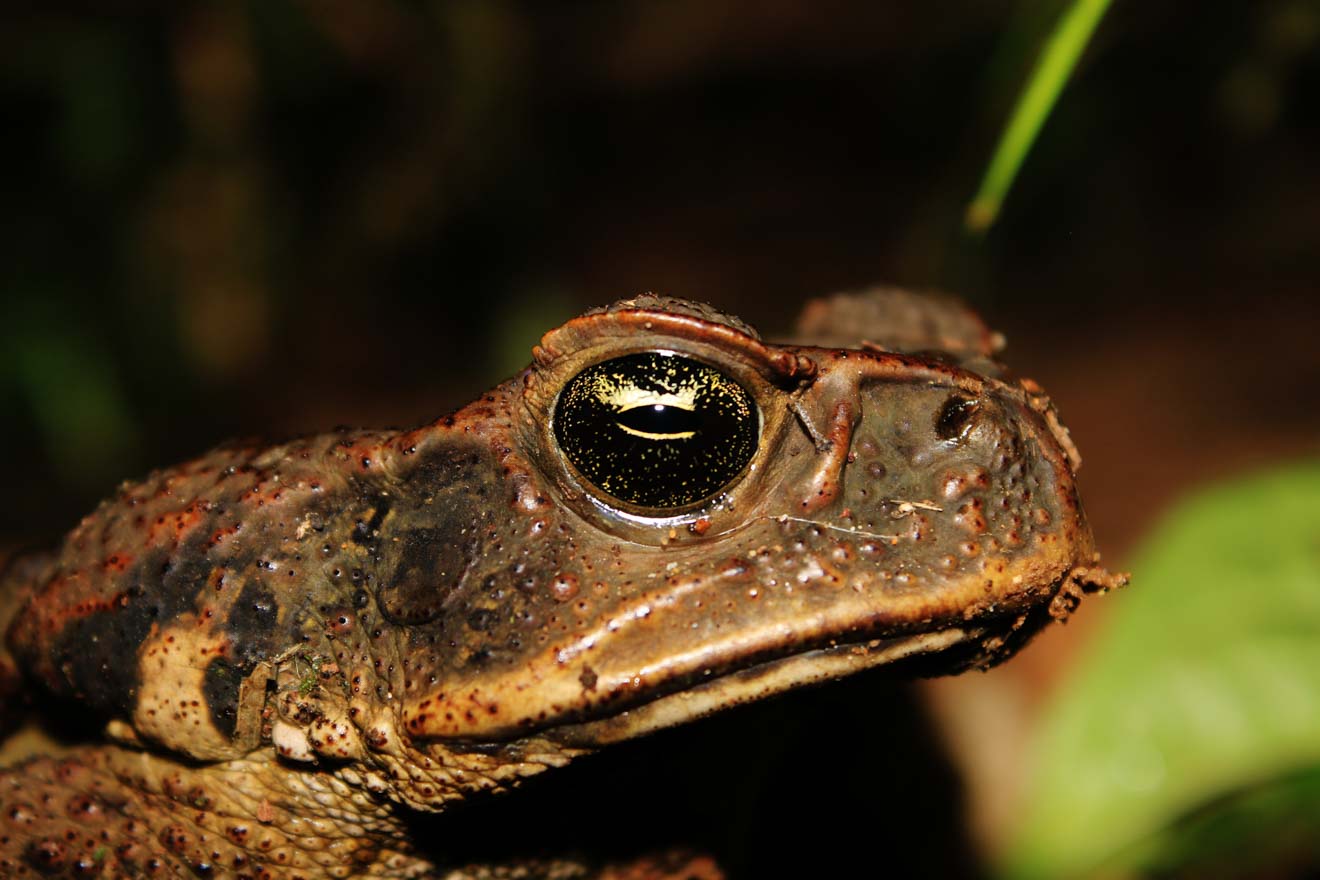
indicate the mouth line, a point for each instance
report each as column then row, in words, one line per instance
column 573, row 705
column 744, row 684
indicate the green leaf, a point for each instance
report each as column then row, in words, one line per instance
column 1205, row 685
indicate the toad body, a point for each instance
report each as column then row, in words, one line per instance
column 289, row 648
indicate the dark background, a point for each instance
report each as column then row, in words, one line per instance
column 275, row 217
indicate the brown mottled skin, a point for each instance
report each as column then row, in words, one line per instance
column 289, row 646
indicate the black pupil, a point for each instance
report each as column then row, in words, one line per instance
column 656, row 430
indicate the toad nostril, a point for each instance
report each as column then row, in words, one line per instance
column 954, row 416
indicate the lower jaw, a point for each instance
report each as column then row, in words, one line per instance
column 755, row 683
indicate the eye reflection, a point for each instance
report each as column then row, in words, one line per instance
column 659, row 422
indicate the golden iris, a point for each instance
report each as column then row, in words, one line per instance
column 656, row 430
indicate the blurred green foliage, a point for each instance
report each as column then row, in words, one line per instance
column 71, row 388
column 1188, row 740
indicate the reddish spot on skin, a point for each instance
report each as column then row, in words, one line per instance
column 969, row 516
column 564, row 587
column 700, row 526
column 117, row 563
column 955, row 486
column 221, row 535
column 174, row 526
column 340, row 621
column 216, row 580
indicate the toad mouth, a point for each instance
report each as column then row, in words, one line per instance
column 937, row 651
column 571, row 699
column 754, row 682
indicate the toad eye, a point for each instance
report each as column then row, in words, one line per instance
column 656, row 430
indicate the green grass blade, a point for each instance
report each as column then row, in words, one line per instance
column 1052, row 71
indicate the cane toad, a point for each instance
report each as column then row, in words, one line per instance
column 663, row 516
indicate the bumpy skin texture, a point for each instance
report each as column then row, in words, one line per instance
column 291, row 643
